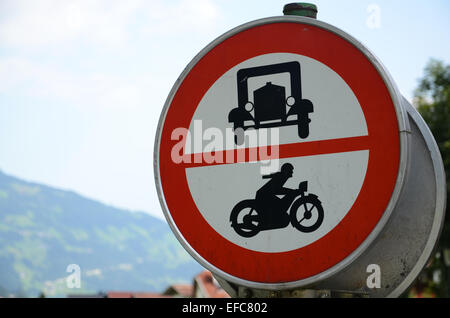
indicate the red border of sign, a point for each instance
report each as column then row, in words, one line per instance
column 383, row 143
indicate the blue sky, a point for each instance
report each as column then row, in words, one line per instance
column 82, row 83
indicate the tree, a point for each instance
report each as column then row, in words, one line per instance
column 432, row 100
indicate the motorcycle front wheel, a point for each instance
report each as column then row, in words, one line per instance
column 245, row 219
column 307, row 214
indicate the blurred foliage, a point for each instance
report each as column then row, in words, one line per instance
column 432, row 100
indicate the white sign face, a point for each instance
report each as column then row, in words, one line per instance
column 334, row 177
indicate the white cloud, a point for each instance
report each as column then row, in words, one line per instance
column 103, row 22
column 45, row 22
column 182, row 16
column 83, row 89
column 59, row 35
column 125, row 267
column 94, row 272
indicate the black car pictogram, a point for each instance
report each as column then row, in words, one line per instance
column 271, row 106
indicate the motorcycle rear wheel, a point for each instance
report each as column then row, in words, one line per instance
column 245, row 219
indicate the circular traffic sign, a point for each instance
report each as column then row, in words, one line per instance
column 280, row 153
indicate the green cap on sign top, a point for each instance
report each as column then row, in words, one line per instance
column 302, row 9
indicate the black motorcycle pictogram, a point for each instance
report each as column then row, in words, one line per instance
column 268, row 212
column 270, row 103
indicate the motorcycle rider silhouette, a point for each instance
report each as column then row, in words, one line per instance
column 267, row 196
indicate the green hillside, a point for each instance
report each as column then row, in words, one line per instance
column 43, row 230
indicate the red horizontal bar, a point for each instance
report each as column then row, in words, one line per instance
column 300, row 149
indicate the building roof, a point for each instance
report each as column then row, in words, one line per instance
column 209, row 286
column 181, row 290
column 120, row 294
column 204, row 286
column 98, row 295
column 150, row 295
